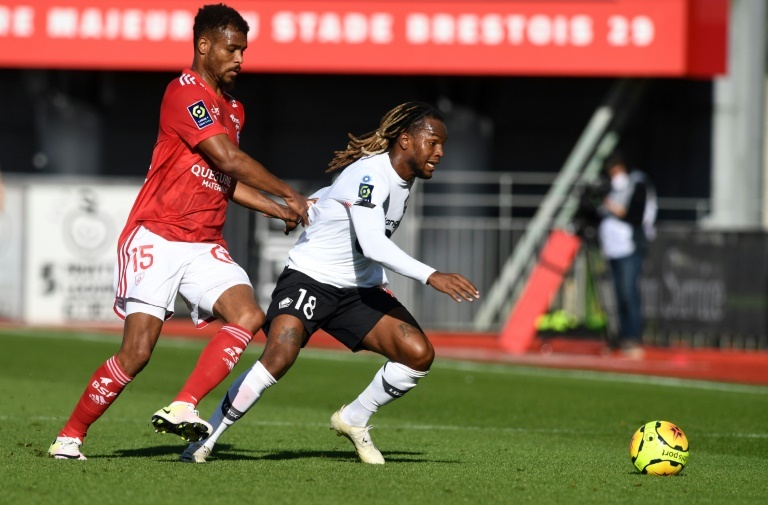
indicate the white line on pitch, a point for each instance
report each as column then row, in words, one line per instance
column 451, row 364
column 398, row 426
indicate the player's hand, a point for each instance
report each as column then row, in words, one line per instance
column 291, row 219
column 454, row 285
column 291, row 224
column 300, row 205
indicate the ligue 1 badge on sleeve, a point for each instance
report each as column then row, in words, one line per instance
column 200, row 114
column 365, row 191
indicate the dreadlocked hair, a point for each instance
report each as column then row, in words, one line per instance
column 217, row 17
column 403, row 118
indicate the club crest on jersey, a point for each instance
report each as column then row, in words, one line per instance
column 365, row 192
column 200, row 114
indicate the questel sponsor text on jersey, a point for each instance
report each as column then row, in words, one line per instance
column 212, row 179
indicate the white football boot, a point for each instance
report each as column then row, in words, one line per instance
column 196, row 452
column 66, row 448
column 183, row 420
column 359, row 436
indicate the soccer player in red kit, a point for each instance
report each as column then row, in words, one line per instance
column 173, row 244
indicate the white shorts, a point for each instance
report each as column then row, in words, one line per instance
column 150, row 271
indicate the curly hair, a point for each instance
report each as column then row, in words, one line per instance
column 406, row 117
column 217, row 17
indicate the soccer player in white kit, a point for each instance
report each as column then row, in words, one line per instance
column 335, row 280
column 173, row 244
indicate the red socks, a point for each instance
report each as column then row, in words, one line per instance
column 216, row 361
column 106, row 383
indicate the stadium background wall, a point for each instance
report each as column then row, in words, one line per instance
column 105, row 122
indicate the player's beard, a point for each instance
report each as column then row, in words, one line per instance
column 227, row 78
column 228, row 84
column 419, row 170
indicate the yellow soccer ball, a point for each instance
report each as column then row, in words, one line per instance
column 659, row 448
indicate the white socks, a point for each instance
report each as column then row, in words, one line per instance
column 242, row 395
column 391, row 382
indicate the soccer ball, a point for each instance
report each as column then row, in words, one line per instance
column 659, row 448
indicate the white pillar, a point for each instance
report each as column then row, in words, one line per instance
column 738, row 172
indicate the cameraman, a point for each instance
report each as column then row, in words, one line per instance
column 627, row 215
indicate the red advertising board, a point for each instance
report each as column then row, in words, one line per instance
column 523, row 37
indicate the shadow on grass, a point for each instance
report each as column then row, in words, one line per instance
column 636, row 473
column 228, row 452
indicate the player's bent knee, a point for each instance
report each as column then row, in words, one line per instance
column 419, row 356
column 424, row 361
column 133, row 361
column 252, row 319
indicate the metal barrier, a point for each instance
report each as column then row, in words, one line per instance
column 457, row 222
column 463, row 222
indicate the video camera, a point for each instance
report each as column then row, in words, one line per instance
column 591, row 198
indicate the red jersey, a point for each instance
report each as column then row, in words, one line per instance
column 184, row 198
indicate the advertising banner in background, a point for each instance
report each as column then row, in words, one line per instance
column 71, row 246
column 568, row 37
column 712, row 284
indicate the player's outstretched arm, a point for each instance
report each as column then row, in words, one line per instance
column 374, row 244
column 256, row 200
column 369, row 227
column 453, row 285
column 231, row 160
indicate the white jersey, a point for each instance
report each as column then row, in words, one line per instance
column 347, row 242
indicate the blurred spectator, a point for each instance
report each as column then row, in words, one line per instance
column 628, row 214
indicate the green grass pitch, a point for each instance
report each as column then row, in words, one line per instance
column 470, row 433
